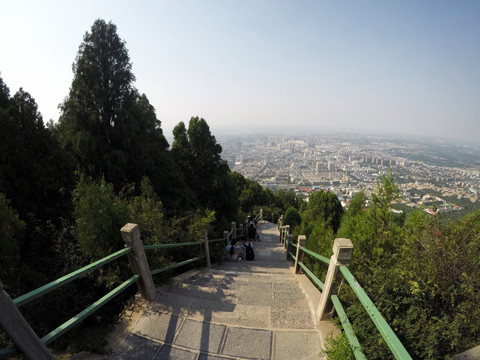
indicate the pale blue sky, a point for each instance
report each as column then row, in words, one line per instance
column 407, row 67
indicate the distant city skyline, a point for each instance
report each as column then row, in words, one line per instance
column 406, row 67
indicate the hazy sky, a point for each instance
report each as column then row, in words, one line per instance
column 373, row 66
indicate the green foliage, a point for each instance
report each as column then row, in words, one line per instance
column 99, row 214
column 322, row 206
column 146, row 211
column 252, row 198
column 338, row 348
column 38, row 177
column 252, row 195
column 319, row 222
column 97, row 109
column 422, row 275
column 11, row 235
column 286, row 199
column 320, row 241
column 292, row 218
column 357, row 205
column 110, row 129
column 197, row 153
column 440, row 267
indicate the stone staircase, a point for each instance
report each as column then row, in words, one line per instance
column 236, row 310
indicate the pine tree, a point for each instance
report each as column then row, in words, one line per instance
column 198, row 154
column 111, row 130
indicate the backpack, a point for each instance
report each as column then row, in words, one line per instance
column 249, row 254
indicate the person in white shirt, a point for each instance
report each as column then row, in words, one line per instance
column 233, row 252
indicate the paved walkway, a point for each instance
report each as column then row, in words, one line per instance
column 237, row 310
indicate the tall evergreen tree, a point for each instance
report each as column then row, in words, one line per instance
column 198, row 155
column 100, row 101
column 323, row 206
column 111, row 129
column 34, row 173
column 36, row 179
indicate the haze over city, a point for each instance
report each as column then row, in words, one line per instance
column 405, row 67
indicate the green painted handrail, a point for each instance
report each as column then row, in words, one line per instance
column 348, row 329
column 173, row 266
column 215, row 240
column 45, row 289
column 312, row 276
column 387, row 333
column 47, row 339
column 62, row 329
column 322, row 258
column 170, row 246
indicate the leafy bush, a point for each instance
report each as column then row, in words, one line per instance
column 338, row 348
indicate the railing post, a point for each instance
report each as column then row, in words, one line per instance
column 207, row 250
column 17, row 328
column 234, row 228
column 285, row 234
column 225, row 236
column 342, row 253
column 138, row 260
column 289, row 244
column 301, row 242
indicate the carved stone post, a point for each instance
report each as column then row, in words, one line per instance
column 225, row 236
column 301, row 242
column 207, row 250
column 17, row 328
column 234, row 228
column 138, row 260
column 342, row 253
column 285, row 234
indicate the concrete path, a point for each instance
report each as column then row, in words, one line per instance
column 237, row 310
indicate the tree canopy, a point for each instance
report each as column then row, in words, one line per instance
column 111, row 130
column 198, row 155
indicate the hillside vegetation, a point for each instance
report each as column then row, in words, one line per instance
column 421, row 273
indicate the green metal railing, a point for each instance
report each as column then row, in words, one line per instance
column 75, row 320
column 32, row 295
column 392, row 341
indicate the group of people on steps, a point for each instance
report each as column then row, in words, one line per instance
column 243, row 249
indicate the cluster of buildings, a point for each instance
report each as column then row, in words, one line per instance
column 348, row 164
